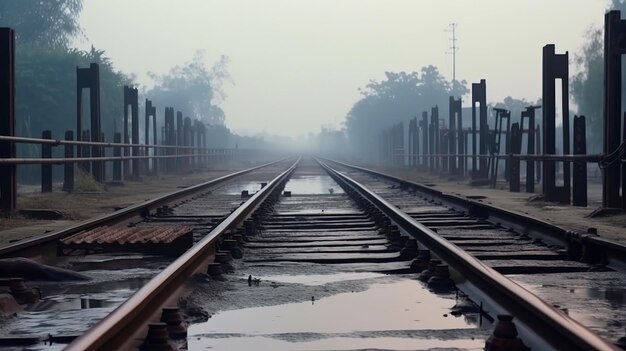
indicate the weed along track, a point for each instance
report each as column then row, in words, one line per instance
column 299, row 255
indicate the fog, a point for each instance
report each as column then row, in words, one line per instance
column 298, row 65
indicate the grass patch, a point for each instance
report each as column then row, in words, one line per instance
column 84, row 183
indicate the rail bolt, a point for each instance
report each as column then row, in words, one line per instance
column 287, row 193
column 238, row 238
column 175, row 328
column 233, row 247
column 244, row 194
column 409, row 251
column 157, row 338
column 21, row 293
column 421, row 262
column 430, row 270
column 223, row 257
column 249, row 226
column 399, row 241
column 385, row 223
column 504, row 336
column 393, row 234
column 214, row 269
column 440, row 281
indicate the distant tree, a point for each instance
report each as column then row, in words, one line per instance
column 400, row 97
column 46, row 89
column 48, row 23
column 46, row 94
column 516, row 106
column 194, row 89
column 587, row 85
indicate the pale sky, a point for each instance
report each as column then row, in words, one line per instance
column 297, row 64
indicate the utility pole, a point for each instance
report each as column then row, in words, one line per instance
column 453, row 49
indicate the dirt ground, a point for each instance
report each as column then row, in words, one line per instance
column 568, row 217
column 79, row 206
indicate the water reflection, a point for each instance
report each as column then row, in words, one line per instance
column 313, row 185
column 403, row 305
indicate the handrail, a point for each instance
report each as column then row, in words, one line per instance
column 56, row 142
column 528, row 307
column 136, row 311
column 34, row 160
column 568, row 157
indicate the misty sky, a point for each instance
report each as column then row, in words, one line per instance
column 297, row 64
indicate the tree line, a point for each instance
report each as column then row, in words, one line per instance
column 46, row 79
column 403, row 96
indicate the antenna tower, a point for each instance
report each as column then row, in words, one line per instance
column 453, row 49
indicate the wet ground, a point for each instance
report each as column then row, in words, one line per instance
column 569, row 217
column 302, row 288
column 69, row 308
column 592, row 295
column 597, row 300
column 339, row 311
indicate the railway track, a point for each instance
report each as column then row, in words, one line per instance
column 110, row 271
column 579, row 274
column 324, row 258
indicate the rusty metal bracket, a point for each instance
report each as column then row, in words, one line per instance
column 579, row 189
column 479, row 95
column 150, row 111
column 555, row 66
column 8, row 181
column 131, row 98
column 614, row 48
column 434, row 138
column 424, row 125
column 529, row 114
column 89, row 78
column 455, row 126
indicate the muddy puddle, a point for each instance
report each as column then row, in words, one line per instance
column 313, row 185
column 358, row 311
column 320, row 279
column 69, row 308
column 334, row 343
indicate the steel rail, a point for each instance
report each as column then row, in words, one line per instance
column 111, row 332
column 128, row 212
column 557, row 328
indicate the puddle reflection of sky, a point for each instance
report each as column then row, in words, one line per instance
column 312, row 185
column 403, row 305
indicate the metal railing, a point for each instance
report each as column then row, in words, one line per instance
column 146, row 159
